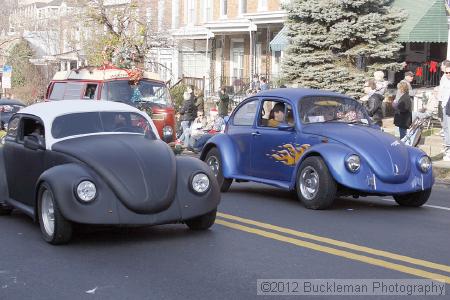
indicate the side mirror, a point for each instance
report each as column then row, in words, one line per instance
column 286, row 127
column 33, row 142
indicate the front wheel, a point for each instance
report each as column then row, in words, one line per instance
column 203, row 222
column 214, row 160
column 5, row 209
column 316, row 187
column 54, row 227
column 414, row 199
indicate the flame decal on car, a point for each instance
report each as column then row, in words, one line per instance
column 289, row 154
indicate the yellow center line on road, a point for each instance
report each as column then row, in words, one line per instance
column 338, row 243
column 337, row 252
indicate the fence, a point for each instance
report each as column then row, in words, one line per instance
column 426, row 74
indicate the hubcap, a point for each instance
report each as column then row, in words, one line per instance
column 213, row 163
column 48, row 213
column 309, row 183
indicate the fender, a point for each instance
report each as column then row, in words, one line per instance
column 63, row 180
column 227, row 150
column 414, row 155
column 4, row 193
column 192, row 205
column 333, row 156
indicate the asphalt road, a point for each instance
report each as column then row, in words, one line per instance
column 261, row 232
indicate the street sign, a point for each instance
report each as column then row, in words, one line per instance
column 6, row 77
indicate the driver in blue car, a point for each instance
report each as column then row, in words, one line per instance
column 276, row 116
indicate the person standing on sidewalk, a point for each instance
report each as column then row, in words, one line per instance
column 444, row 95
column 409, row 77
column 403, row 109
column 188, row 114
column 374, row 102
column 224, row 102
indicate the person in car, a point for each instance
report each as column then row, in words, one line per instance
column 276, row 116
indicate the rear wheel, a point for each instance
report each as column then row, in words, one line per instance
column 414, row 199
column 316, row 188
column 214, row 160
column 203, row 222
column 54, row 227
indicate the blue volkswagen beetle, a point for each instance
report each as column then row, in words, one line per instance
column 320, row 144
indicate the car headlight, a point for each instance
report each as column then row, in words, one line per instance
column 86, row 191
column 353, row 163
column 167, row 133
column 424, row 164
column 200, row 183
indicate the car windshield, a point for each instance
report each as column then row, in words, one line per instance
column 154, row 93
column 98, row 122
column 332, row 109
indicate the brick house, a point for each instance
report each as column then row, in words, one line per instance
column 227, row 41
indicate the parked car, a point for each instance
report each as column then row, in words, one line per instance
column 98, row 162
column 8, row 107
column 319, row 143
column 109, row 83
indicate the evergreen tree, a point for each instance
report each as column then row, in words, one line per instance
column 337, row 44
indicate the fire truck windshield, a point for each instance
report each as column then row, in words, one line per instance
column 143, row 92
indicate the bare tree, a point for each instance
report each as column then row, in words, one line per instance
column 121, row 32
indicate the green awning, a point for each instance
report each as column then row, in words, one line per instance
column 280, row 41
column 426, row 23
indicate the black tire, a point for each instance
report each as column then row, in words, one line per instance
column 224, row 183
column 203, row 222
column 62, row 231
column 5, row 210
column 323, row 186
column 414, row 199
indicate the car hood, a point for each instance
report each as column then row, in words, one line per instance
column 141, row 172
column 385, row 154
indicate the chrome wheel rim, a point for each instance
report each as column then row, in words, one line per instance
column 48, row 213
column 213, row 163
column 309, row 183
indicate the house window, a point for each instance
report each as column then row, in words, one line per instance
column 223, row 8
column 190, row 10
column 262, row 5
column 242, row 6
column 208, row 10
column 237, row 60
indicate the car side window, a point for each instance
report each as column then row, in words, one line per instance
column 274, row 112
column 31, row 127
column 13, row 127
column 245, row 115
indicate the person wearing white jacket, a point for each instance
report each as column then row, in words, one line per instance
column 444, row 95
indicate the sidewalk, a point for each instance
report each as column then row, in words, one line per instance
column 430, row 144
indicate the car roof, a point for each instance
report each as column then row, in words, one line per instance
column 295, row 94
column 48, row 111
column 6, row 101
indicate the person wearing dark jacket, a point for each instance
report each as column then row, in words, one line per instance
column 374, row 102
column 188, row 113
column 224, row 102
column 403, row 110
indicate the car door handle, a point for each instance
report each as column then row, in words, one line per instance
column 256, row 133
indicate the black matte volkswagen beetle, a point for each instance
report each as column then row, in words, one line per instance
column 96, row 162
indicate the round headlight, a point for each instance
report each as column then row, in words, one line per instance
column 86, row 191
column 200, row 183
column 353, row 163
column 424, row 164
column 167, row 133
